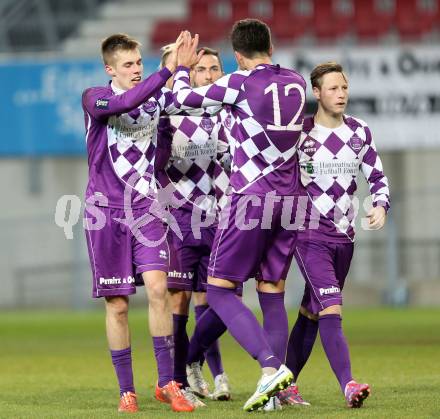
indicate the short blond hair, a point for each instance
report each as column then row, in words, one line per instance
column 117, row 42
column 166, row 51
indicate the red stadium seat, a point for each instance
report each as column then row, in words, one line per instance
column 198, row 10
column 263, row 9
column 210, row 31
column 203, row 12
column 164, row 32
column 414, row 17
column 240, row 9
column 332, row 18
column 371, row 20
column 291, row 19
column 202, row 19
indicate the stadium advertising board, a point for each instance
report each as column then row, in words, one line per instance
column 43, row 103
column 396, row 90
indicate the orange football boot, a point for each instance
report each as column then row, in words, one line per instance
column 128, row 403
column 172, row 394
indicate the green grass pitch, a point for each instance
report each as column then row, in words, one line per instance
column 56, row 365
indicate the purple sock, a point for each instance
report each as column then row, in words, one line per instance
column 199, row 310
column 164, row 353
column 335, row 347
column 242, row 325
column 122, row 362
column 212, row 354
column 275, row 324
column 301, row 341
column 209, row 328
column 181, row 344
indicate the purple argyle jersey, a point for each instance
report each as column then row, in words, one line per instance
column 192, row 164
column 267, row 108
column 324, row 266
column 121, row 131
column 330, row 161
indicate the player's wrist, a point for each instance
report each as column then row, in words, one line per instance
column 382, row 204
column 183, row 67
column 171, row 67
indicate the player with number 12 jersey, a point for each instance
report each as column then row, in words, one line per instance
column 267, row 106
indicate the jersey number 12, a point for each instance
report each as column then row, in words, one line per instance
column 292, row 125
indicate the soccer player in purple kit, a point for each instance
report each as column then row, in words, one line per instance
column 121, row 122
column 334, row 148
column 267, row 105
column 195, row 182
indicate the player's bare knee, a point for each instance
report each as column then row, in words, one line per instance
column 117, row 306
column 222, row 283
column 308, row 314
column 155, row 283
column 271, row 287
column 336, row 309
column 200, row 299
column 180, row 300
column 157, row 294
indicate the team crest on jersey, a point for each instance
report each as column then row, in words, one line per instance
column 207, row 125
column 150, row 107
column 356, row 143
column 228, row 122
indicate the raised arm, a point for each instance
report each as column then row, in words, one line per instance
column 100, row 103
column 224, row 91
column 168, row 107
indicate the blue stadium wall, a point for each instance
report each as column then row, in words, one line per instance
column 41, row 112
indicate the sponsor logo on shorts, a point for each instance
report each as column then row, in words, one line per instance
column 116, row 281
column 331, row 290
column 101, row 104
column 180, row 275
column 163, row 254
column 175, row 274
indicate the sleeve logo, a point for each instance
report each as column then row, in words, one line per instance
column 101, row 104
